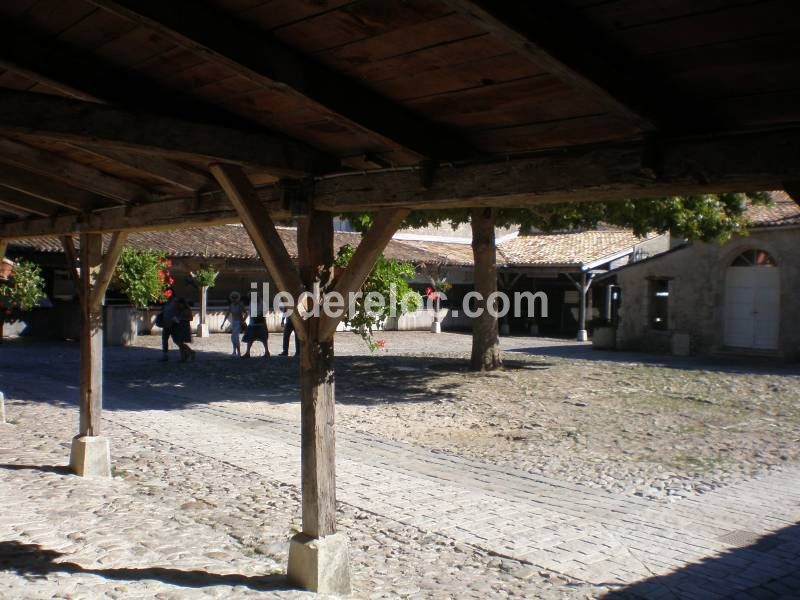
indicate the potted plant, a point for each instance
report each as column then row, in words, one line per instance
column 21, row 290
column 204, row 278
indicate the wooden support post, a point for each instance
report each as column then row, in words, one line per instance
column 91, row 339
column 583, row 288
column 318, row 557
column 90, row 454
column 315, row 252
column 582, row 333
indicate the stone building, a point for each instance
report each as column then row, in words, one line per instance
column 737, row 297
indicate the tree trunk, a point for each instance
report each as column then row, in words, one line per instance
column 485, row 339
column 315, row 249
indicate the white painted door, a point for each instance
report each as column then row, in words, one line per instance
column 752, row 307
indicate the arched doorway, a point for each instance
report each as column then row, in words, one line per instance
column 752, row 301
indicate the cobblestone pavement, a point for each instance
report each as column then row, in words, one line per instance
column 205, row 490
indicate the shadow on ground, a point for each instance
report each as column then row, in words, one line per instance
column 32, row 561
column 57, row 469
column 768, row 567
column 135, row 379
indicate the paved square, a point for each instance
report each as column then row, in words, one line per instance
column 205, row 490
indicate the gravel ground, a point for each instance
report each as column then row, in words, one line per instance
column 651, row 426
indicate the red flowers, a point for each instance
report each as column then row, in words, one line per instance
column 168, row 293
column 431, row 293
column 380, row 343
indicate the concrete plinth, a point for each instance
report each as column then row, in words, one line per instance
column 583, row 335
column 90, row 456
column 320, row 565
column 436, row 327
column 202, row 330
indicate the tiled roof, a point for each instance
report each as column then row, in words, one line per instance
column 448, row 253
column 784, row 211
column 224, row 241
column 567, row 249
column 232, row 241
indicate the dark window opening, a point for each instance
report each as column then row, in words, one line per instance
column 659, row 304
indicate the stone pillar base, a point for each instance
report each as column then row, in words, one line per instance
column 90, row 456
column 583, row 335
column 436, row 327
column 202, row 330
column 320, row 565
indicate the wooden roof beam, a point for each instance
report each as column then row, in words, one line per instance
column 46, row 190
column 75, row 121
column 262, row 58
column 743, row 162
column 166, row 171
column 52, row 166
column 530, row 30
column 25, row 203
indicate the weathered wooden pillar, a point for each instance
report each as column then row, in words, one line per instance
column 485, row 335
column 318, row 557
column 90, row 452
column 583, row 335
column 315, row 253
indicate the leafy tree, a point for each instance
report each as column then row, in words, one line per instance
column 388, row 278
column 706, row 217
column 143, row 276
column 23, row 291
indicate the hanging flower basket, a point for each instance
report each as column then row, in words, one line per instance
column 6, row 268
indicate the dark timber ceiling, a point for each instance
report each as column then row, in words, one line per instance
column 112, row 104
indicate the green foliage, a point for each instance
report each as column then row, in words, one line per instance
column 706, row 217
column 23, row 290
column 389, row 278
column 205, row 277
column 143, row 276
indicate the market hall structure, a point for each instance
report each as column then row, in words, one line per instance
column 118, row 116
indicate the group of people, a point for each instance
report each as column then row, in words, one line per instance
column 176, row 317
column 255, row 331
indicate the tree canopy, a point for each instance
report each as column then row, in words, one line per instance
column 706, row 217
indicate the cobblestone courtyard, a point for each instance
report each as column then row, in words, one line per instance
column 571, row 474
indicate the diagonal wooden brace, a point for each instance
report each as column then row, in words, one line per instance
column 261, row 228
column 374, row 242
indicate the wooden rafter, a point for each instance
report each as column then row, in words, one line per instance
column 48, row 190
column 261, row 228
column 374, row 242
column 29, row 205
column 275, row 66
column 164, row 170
column 75, row 121
column 52, row 166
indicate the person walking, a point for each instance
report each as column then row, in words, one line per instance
column 167, row 319
column 182, row 330
column 237, row 316
column 288, row 329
